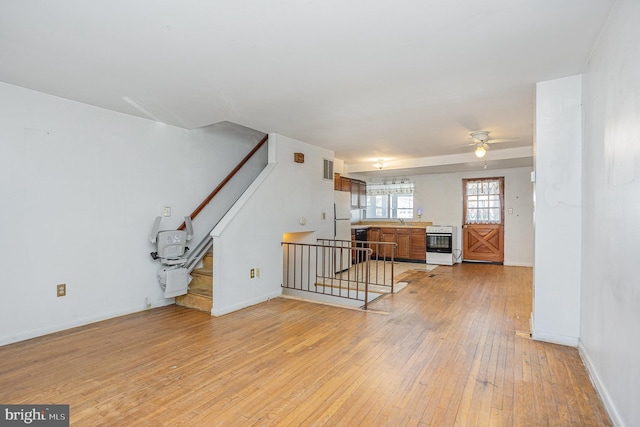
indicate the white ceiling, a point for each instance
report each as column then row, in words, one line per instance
column 399, row 80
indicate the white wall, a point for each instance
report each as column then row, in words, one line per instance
column 610, row 296
column 80, row 187
column 556, row 304
column 440, row 197
column 250, row 236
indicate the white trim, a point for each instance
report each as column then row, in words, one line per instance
column 600, row 387
column 517, row 264
column 245, row 304
column 81, row 322
column 555, row 338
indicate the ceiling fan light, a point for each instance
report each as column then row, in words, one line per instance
column 480, row 151
column 480, row 136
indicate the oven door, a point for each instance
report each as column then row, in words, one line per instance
column 440, row 243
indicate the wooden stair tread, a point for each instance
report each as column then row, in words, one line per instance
column 203, row 271
column 202, row 292
column 200, row 295
column 196, row 301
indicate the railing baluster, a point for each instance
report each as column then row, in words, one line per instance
column 366, row 284
column 309, row 269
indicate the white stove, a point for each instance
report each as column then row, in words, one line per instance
column 441, row 244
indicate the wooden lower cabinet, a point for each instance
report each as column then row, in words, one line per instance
column 411, row 242
column 418, row 244
column 373, row 235
column 387, row 235
column 403, row 239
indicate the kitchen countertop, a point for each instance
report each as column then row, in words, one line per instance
column 389, row 224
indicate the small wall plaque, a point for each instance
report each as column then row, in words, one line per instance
column 298, row 157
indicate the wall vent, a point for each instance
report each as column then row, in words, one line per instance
column 327, row 170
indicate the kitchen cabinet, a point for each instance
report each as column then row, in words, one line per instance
column 418, row 244
column 373, row 235
column 387, row 235
column 357, row 188
column 337, row 182
column 411, row 242
column 345, row 184
column 362, row 194
column 358, row 194
column 403, row 239
column 355, row 200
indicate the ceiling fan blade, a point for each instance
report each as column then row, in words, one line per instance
column 501, row 140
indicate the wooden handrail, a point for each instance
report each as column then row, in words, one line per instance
column 224, row 182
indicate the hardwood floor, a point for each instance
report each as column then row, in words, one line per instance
column 442, row 352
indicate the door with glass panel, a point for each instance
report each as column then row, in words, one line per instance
column 483, row 228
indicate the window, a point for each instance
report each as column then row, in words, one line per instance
column 483, row 201
column 390, row 200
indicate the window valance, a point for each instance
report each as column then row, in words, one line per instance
column 381, row 189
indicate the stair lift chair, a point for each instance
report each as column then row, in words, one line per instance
column 171, row 251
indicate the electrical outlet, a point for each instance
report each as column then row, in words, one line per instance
column 61, row 289
column 166, row 212
column 252, row 273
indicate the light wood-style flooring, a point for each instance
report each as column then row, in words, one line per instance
column 444, row 351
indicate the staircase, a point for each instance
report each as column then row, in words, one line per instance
column 200, row 295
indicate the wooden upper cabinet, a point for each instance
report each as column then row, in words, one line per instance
column 362, row 194
column 345, row 184
column 358, row 194
column 357, row 188
column 341, row 183
column 355, row 198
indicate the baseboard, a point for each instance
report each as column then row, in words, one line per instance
column 518, row 264
column 555, row 338
column 79, row 322
column 217, row 311
column 600, row 387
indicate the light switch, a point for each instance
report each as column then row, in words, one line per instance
column 510, row 210
column 166, row 212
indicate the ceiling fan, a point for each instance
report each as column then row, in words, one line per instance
column 481, row 141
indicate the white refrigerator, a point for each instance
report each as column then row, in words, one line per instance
column 342, row 228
